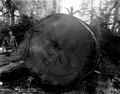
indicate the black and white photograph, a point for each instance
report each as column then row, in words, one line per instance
column 59, row 46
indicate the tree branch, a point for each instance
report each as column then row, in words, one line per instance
column 77, row 11
column 67, row 10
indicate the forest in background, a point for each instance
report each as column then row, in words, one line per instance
column 106, row 13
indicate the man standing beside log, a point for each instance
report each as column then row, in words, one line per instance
column 9, row 43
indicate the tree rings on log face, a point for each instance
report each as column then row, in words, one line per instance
column 61, row 50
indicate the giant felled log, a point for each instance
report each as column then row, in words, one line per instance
column 61, row 50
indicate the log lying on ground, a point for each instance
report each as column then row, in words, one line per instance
column 12, row 67
column 13, row 71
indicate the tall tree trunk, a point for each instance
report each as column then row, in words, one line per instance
column 12, row 20
column 118, row 14
column 11, row 8
column 54, row 6
column 91, row 11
